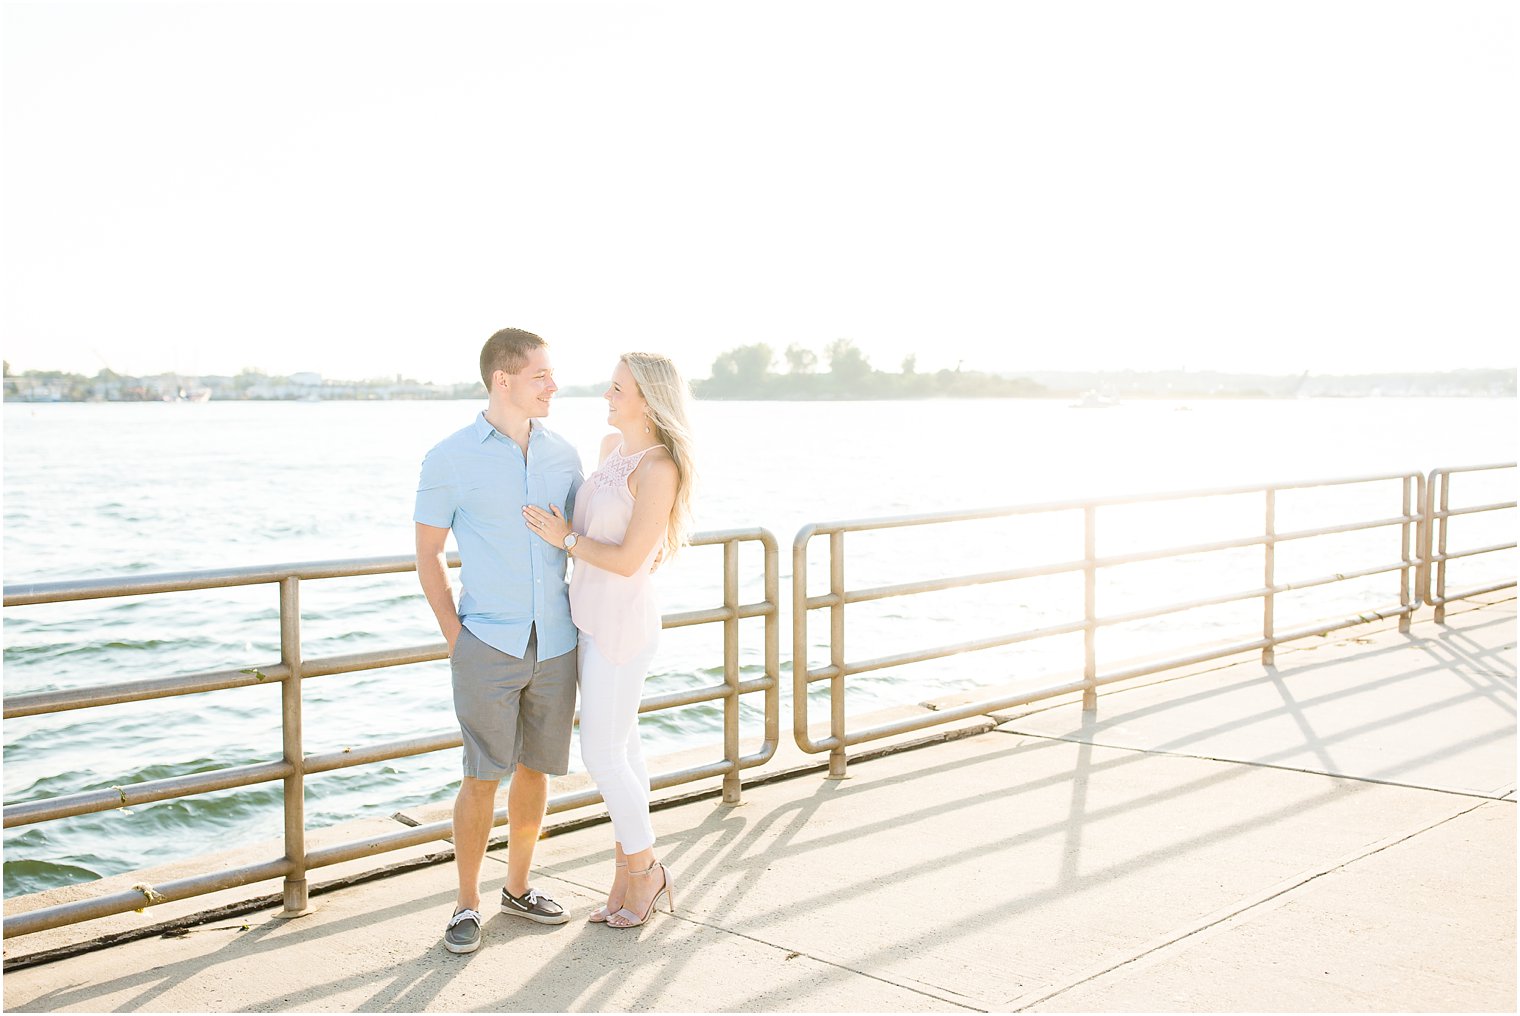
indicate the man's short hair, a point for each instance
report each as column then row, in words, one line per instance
column 507, row 350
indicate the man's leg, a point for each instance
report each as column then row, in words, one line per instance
column 473, row 808
column 527, row 795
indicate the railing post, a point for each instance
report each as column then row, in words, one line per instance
column 731, row 780
column 1407, row 484
column 1090, row 615
column 1445, row 479
column 1269, row 601
column 1427, row 484
column 836, row 656
column 296, row 901
column 773, row 643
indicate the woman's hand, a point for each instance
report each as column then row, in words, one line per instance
column 553, row 528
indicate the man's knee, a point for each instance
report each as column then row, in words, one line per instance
column 472, row 789
column 528, row 776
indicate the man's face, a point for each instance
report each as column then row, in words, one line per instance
column 530, row 389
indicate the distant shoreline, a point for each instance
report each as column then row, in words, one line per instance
column 1095, row 388
column 1068, row 397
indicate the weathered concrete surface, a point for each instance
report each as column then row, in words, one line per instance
column 1435, row 708
column 1049, row 864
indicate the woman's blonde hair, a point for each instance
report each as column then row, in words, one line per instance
column 667, row 395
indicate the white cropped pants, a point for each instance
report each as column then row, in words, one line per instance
column 610, row 694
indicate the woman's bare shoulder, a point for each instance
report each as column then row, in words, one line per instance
column 657, row 465
column 609, row 443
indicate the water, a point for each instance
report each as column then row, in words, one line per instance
column 113, row 489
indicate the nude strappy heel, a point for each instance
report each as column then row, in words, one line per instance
column 601, row 913
column 667, row 890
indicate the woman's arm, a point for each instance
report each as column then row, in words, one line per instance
column 657, row 481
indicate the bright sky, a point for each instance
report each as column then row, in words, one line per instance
column 370, row 189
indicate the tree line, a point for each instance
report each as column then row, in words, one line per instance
column 746, row 372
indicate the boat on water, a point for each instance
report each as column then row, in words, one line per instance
column 189, row 395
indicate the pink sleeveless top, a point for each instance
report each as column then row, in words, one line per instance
column 621, row 614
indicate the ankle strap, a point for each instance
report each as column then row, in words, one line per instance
column 652, row 866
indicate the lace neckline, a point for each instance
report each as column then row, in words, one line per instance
column 618, row 451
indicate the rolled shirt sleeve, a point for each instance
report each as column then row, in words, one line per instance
column 437, row 492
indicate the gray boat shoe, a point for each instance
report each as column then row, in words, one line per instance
column 463, row 933
column 533, row 905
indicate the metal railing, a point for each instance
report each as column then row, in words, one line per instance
column 1423, row 512
column 1410, row 519
column 1438, row 512
column 295, row 765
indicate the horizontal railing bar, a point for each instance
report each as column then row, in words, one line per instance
column 909, row 724
column 220, row 578
column 146, row 792
column 1250, row 541
column 932, row 518
column 38, row 703
column 711, row 615
column 1472, row 510
column 1473, row 469
column 912, row 723
column 695, row 696
column 1197, row 548
column 1325, row 580
column 1455, row 555
column 1475, row 591
column 824, row 600
column 750, row 534
column 935, row 585
column 120, row 903
column 1177, row 608
column 1349, row 527
column 326, row 762
column 922, row 655
column 417, row 835
column 24, row 594
column 825, row 673
column 377, row 659
column 1283, row 587
column 49, row 809
column 1322, row 628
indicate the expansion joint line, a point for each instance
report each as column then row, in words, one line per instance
column 792, row 953
column 1494, row 796
column 1267, row 896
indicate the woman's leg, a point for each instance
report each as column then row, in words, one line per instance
column 610, row 696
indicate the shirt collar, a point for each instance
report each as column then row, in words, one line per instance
column 483, row 428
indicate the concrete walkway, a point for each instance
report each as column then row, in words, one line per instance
column 1335, row 833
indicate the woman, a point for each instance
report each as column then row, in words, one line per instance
column 636, row 504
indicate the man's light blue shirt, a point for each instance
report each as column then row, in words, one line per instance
column 476, row 482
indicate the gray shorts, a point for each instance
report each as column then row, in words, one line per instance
column 512, row 711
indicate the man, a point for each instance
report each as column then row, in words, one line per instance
column 511, row 640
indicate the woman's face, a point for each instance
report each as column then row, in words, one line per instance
column 625, row 406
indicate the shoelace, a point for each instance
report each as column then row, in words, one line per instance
column 464, row 915
column 534, row 897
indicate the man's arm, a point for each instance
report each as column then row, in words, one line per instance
column 433, row 573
